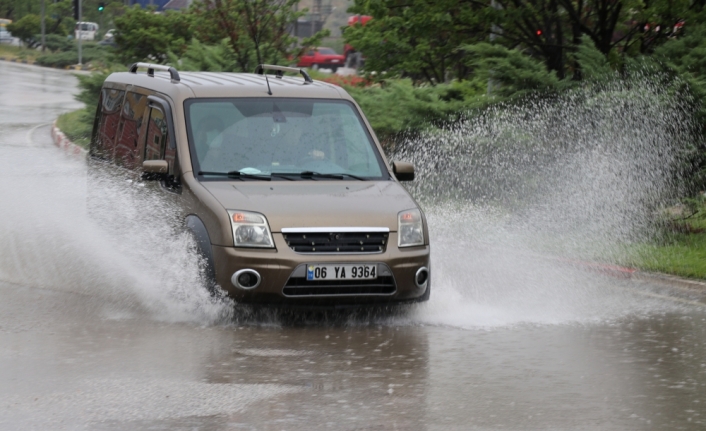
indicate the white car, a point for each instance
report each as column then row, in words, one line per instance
column 85, row 30
column 5, row 36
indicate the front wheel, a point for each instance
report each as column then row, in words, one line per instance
column 197, row 230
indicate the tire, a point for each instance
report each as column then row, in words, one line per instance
column 350, row 60
column 334, row 69
column 198, row 231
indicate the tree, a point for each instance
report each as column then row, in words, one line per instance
column 513, row 73
column 144, row 35
column 553, row 29
column 537, row 25
column 58, row 17
column 419, row 38
column 16, row 9
column 258, row 31
column 26, row 29
column 63, row 22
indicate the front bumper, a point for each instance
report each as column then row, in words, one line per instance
column 277, row 266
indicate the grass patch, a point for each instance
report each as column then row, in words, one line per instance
column 10, row 52
column 77, row 126
column 683, row 255
column 681, row 247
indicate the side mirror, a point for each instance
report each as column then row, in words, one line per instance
column 154, row 169
column 403, row 171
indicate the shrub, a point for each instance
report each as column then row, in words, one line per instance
column 90, row 54
column 25, row 28
column 55, row 42
column 396, row 106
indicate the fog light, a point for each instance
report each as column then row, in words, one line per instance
column 246, row 279
column 421, row 277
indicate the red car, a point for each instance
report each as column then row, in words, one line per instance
column 322, row 58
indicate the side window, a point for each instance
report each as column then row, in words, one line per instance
column 127, row 153
column 111, row 102
column 159, row 146
column 156, row 135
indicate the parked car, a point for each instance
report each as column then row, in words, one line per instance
column 5, row 36
column 280, row 180
column 109, row 38
column 322, row 58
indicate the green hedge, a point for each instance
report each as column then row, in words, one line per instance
column 95, row 54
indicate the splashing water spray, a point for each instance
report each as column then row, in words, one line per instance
column 510, row 193
column 518, row 196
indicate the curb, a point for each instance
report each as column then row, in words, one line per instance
column 617, row 271
column 64, row 143
column 603, row 268
column 31, row 63
column 683, row 283
column 636, row 274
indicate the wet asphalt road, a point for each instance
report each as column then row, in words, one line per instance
column 550, row 348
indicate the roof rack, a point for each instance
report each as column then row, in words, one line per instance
column 260, row 70
column 152, row 67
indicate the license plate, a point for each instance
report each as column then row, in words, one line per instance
column 341, row 272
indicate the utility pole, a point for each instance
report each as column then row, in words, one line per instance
column 44, row 28
column 80, row 16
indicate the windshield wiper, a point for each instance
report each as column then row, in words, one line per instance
column 355, row 177
column 312, row 175
column 238, row 174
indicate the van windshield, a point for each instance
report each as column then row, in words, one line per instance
column 280, row 138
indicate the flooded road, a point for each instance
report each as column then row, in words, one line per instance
column 93, row 338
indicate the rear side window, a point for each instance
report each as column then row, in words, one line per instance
column 110, row 105
column 127, row 151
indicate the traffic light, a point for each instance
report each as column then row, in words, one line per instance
column 74, row 6
column 101, row 6
column 538, row 32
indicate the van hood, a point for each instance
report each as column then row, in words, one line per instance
column 316, row 204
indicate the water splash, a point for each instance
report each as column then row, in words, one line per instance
column 516, row 193
column 126, row 257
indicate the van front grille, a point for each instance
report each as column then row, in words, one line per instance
column 337, row 242
column 299, row 286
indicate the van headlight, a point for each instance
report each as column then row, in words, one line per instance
column 410, row 230
column 250, row 230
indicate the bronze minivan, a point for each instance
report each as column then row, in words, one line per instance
column 280, row 179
